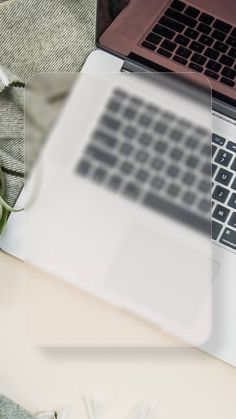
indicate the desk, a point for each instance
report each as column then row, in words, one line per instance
column 187, row 383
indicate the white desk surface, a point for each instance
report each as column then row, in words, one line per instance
column 187, row 384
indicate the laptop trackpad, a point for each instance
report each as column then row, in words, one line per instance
column 159, row 275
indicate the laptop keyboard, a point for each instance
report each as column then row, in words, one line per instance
column 154, row 158
column 197, row 40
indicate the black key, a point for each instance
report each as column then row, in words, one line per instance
column 220, row 213
column 169, row 116
column 114, row 105
column 145, row 120
column 161, row 146
column 158, row 182
column 229, row 73
column 224, row 59
column 227, row 81
column 229, row 238
column 129, row 113
column 192, row 12
column 213, row 168
column 171, row 24
column 129, row 132
column 147, row 45
column 223, row 157
column 186, row 20
column 232, row 201
column 126, row 149
column 164, row 52
column 207, row 150
column 120, row 94
column 145, row 139
column 211, row 74
column 83, row 167
column 189, row 198
column 176, row 135
column 160, row 127
column 188, row 178
column 101, row 156
column 231, row 146
column 110, row 122
column 231, row 41
column 161, row 30
column 105, row 139
column 233, row 33
column 173, row 190
column 232, row 220
column 196, row 67
column 218, row 35
column 178, row 5
column 191, row 33
column 213, row 148
column 218, row 140
column 205, row 205
column 222, row 26
column 233, row 167
column 211, row 53
column 136, row 101
column 192, row 142
column 154, row 38
column 170, row 46
column 233, row 186
column 173, row 171
column 206, row 169
column 184, row 52
column 180, row 60
column 220, row 46
column 204, row 28
column 131, row 190
column 168, row 208
column 192, row 161
column 176, row 154
column 142, row 175
column 224, row 177
column 195, row 46
column 216, row 229
column 115, row 182
column 126, row 167
column 220, row 194
column 142, row 156
column 206, row 40
column 182, row 40
column 204, row 186
column 232, row 52
column 198, row 59
column 99, row 175
column 205, row 18
column 157, row 163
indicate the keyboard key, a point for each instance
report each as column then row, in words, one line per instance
column 182, row 40
column 114, row 105
column 231, row 41
column 157, row 182
column 213, row 168
column 216, row 229
column 192, row 12
column 224, row 59
column 231, row 146
column 189, row 198
column 191, row 33
column 105, row 139
column 99, row 175
column 179, row 17
column 217, row 139
column 206, row 40
column 213, row 148
column 173, row 171
column 218, row 35
column 129, row 113
column 211, row 53
column 232, row 220
column 196, row 67
column 142, row 175
column 192, row 142
column 171, row 24
column 131, row 190
column 163, row 31
column 126, row 167
column 204, row 28
column 180, row 60
column 229, row 238
column 160, row 127
column 154, row 38
column 142, row 156
column 115, row 182
column 206, row 169
column 227, row 81
column 207, row 150
column 157, row 163
column 198, row 59
column 220, row 46
column 173, row 190
column 233, row 167
column 184, row 52
column 176, row 135
column 192, row 161
column 101, row 156
column 188, row 178
column 170, row 46
column 211, row 74
column 161, row 146
column 147, row 45
column 232, row 201
column 126, row 149
column 220, row 213
column 222, row 26
column 176, row 154
column 223, row 157
column 204, row 186
column 220, row 194
column 164, row 52
column 229, row 73
column 233, row 33
column 233, row 186
column 145, row 139
column 205, row 205
column 144, row 120
column 83, row 167
column 129, row 132
column 110, row 122
column 205, row 18
column 195, row 46
column 178, row 5
column 224, row 177
column 232, row 52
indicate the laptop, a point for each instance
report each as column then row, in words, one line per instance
column 181, row 36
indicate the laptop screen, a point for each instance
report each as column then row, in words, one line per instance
column 107, row 12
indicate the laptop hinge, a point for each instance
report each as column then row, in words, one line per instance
column 138, row 64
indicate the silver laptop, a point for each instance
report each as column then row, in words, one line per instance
column 191, row 21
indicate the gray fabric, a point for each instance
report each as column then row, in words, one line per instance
column 10, row 410
column 36, row 36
